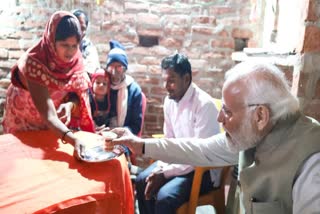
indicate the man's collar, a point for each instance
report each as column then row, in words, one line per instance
column 187, row 95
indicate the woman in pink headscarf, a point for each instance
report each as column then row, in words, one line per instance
column 47, row 77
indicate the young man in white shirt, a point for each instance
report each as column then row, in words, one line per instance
column 188, row 112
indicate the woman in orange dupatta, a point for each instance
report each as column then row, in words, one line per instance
column 47, row 77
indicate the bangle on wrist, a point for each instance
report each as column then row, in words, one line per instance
column 64, row 136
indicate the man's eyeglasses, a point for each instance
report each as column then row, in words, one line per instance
column 116, row 69
column 228, row 113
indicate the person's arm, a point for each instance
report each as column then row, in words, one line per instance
column 167, row 126
column 135, row 108
column 69, row 108
column 211, row 151
column 305, row 192
column 44, row 104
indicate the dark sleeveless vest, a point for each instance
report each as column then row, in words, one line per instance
column 269, row 172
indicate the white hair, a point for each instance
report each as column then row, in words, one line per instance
column 265, row 84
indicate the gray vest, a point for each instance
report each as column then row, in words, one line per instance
column 270, row 171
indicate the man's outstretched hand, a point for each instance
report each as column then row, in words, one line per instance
column 126, row 138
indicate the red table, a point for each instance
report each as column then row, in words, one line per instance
column 38, row 174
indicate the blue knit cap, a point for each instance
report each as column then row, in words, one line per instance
column 117, row 54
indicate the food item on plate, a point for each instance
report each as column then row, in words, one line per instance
column 108, row 137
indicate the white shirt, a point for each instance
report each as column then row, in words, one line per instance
column 214, row 152
column 193, row 116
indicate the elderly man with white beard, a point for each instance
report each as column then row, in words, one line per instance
column 276, row 146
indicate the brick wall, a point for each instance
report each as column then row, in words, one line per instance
column 203, row 30
column 303, row 38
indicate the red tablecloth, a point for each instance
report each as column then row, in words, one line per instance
column 38, row 174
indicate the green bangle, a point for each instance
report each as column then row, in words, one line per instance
column 64, row 136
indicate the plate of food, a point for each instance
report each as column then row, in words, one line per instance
column 101, row 148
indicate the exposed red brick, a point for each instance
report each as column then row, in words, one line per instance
column 175, row 31
column 3, row 74
column 139, row 51
column 21, row 35
column 38, row 23
column 7, row 64
column 311, row 39
column 223, row 43
column 309, row 10
column 252, row 43
column 241, row 33
column 221, row 9
column 181, row 21
column 200, row 43
column 317, row 91
column 202, row 30
column 210, row 20
column 9, row 43
column 151, row 118
column 153, row 127
column 171, row 42
column 113, row 28
column 148, row 19
column 160, row 51
column 223, row 33
column 148, row 81
column 133, row 68
column 150, row 60
column 136, row 7
column 198, row 63
column 150, row 32
column 153, row 99
column 155, row 109
column 158, row 90
column 4, row 54
column 123, row 18
column 163, row 8
column 155, row 69
column 15, row 54
column 113, row 6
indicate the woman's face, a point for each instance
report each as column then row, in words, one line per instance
column 66, row 49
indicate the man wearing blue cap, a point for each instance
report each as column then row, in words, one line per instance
column 125, row 93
